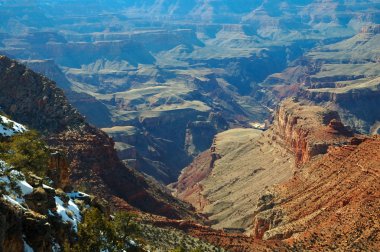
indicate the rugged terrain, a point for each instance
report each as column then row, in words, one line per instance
column 331, row 204
column 92, row 162
column 225, row 182
column 189, row 83
column 172, row 66
column 343, row 76
column 311, row 184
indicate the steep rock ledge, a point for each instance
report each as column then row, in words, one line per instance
column 308, row 131
column 351, row 102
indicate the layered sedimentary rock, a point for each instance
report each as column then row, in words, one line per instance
column 343, row 76
column 205, row 55
column 308, row 130
column 225, row 183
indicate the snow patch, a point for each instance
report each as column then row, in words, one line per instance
column 77, row 195
column 56, row 247
column 47, row 187
column 74, row 218
column 25, row 187
column 14, row 201
column 9, row 128
column 14, row 185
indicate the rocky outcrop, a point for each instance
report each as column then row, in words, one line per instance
column 308, row 131
column 10, row 228
column 372, row 29
column 35, row 223
column 34, row 99
column 229, row 183
column 225, row 182
column 188, row 186
column 58, row 170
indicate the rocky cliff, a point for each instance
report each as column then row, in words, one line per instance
column 308, row 131
column 34, row 215
column 93, row 163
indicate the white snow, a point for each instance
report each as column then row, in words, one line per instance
column 11, row 183
column 25, row 187
column 62, row 211
column 5, row 180
column 56, row 247
column 6, row 130
column 27, row 248
column 47, row 187
column 13, row 201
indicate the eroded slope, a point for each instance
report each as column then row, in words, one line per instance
column 332, row 203
column 225, row 183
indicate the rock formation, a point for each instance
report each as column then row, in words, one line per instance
column 225, row 183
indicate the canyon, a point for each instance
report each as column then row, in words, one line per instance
column 247, row 125
column 92, row 161
column 307, row 181
column 143, row 63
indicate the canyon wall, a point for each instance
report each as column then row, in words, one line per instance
column 93, row 163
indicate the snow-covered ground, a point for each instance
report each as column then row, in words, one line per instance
column 9, row 127
column 15, row 188
column 69, row 213
column 14, row 184
column 27, row 247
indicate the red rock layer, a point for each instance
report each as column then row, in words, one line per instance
column 333, row 204
column 230, row 241
column 188, row 187
column 306, row 130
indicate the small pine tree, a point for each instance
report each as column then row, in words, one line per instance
column 26, row 152
column 94, row 233
column 97, row 233
column 125, row 228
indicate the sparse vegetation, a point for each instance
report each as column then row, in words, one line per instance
column 98, row 233
column 173, row 240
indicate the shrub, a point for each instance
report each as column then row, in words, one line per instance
column 26, row 152
column 97, row 233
